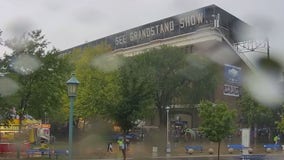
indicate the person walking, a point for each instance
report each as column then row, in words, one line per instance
column 122, row 146
column 109, row 147
column 120, row 143
column 276, row 139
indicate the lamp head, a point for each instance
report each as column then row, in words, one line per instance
column 72, row 85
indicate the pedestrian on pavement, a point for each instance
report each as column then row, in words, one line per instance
column 122, row 146
column 120, row 143
column 109, row 147
column 127, row 143
column 276, row 139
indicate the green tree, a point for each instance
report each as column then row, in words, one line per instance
column 199, row 80
column 5, row 111
column 280, row 125
column 164, row 65
column 217, row 121
column 107, row 88
column 136, row 94
column 279, row 119
column 40, row 75
column 49, row 85
column 253, row 114
column 164, row 73
column 98, row 88
column 5, row 108
column 179, row 77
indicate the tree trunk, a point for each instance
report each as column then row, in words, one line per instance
column 219, row 143
column 255, row 134
column 84, row 125
column 18, row 141
column 162, row 117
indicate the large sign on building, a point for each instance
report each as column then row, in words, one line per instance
column 186, row 23
column 169, row 27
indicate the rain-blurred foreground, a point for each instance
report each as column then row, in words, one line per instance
column 274, row 157
column 94, row 146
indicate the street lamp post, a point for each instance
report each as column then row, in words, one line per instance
column 168, row 149
column 72, row 85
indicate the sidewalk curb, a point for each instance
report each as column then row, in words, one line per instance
column 186, row 156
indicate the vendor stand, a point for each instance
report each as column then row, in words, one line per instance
column 8, row 138
column 31, row 132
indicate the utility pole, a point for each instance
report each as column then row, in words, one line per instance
column 267, row 45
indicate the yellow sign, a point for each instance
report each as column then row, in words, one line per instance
column 9, row 128
column 14, row 122
column 45, row 125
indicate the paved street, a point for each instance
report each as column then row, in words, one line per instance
column 138, row 153
column 210, row 157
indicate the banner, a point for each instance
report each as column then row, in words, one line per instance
column 232, row 79
column 232, row 75
column 231, row 90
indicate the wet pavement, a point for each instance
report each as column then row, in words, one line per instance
column 209, row 157
column 141, row 152
column 225, row 157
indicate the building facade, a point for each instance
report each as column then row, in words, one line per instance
column 209, row 31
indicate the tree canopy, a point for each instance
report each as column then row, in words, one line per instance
column 177, row 76
column 253, row 113
column 217, row 121
column 280, row 122
column 38, row 74
column 98, row 88
column 136, row 94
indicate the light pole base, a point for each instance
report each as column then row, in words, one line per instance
column 168, row 148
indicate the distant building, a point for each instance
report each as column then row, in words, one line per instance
column 210, row 31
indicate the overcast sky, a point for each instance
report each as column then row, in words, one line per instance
column 67, row 23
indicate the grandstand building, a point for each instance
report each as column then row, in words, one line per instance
column 210, row 31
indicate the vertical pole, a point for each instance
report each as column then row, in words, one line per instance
column 168, row 148
column 267, row 43
column 167, row 127
column 71, row 126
